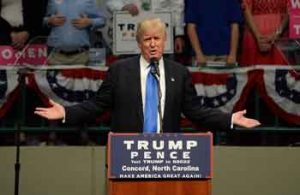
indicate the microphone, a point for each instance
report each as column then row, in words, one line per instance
column 155, row 63
column 156, row 74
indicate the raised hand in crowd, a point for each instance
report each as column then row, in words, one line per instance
column 57, row 20
column 231, row 59
column 275, row 36
column 131, row 8
column 178, row 44
column 82, row 21
column 200, row 59
column 19, row 39
column 264, row 43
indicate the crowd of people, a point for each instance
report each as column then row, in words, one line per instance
column 228, row 32
column 241, row 32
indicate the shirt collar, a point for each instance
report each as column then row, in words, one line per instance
column 144, row 64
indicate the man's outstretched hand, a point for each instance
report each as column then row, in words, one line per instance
column 239, row 119
column 55, row 112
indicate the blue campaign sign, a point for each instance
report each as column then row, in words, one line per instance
column 160, row 156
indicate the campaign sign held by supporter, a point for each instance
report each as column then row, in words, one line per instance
column 124, row 31
column 34, row 54
column 294, row 18
column 160, row 156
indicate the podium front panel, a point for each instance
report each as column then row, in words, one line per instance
column 160, row 156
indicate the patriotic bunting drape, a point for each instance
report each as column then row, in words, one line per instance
column 226, row 89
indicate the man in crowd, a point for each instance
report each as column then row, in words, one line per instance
column 213, row 30
column 71, row 23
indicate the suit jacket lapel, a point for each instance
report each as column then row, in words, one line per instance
column 170, row 80
column 135, row 86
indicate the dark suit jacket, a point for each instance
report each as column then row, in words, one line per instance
column 5, row 30
column 121, row 92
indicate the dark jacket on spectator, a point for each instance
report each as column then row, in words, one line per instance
column 33, row 13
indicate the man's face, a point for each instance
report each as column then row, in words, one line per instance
column 152, row 43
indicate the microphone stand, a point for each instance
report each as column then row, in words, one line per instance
column 157, row 77
column 21, row 79
column 17, row 163
column 159, row 105
column 22, row 74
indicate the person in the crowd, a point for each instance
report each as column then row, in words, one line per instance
column 213, row 30
column 71, row 23
column 125, row 91
column 5, row 30
column 266, row 22
column 134, row 7
column 21, row 22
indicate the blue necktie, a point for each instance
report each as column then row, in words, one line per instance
column 151, row 103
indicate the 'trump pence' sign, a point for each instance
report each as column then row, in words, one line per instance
column 160, row 156
column 124, row 31
column 34, row 54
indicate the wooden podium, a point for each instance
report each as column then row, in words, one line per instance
column 120, row 185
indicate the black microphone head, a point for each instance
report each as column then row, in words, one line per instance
column 155, row 63
column 153, row 69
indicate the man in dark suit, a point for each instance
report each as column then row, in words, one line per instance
column 123, row 92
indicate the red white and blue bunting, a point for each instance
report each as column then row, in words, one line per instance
column 220, row 88
column 67, row 85
column 280, row 89
column 226, row 89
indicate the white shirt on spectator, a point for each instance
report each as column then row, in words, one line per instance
column 11, row 11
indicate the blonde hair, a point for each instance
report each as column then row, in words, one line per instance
column 148, row 24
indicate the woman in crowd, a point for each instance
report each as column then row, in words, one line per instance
column 266, row 22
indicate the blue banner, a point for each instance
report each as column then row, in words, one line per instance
column 160, row 156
